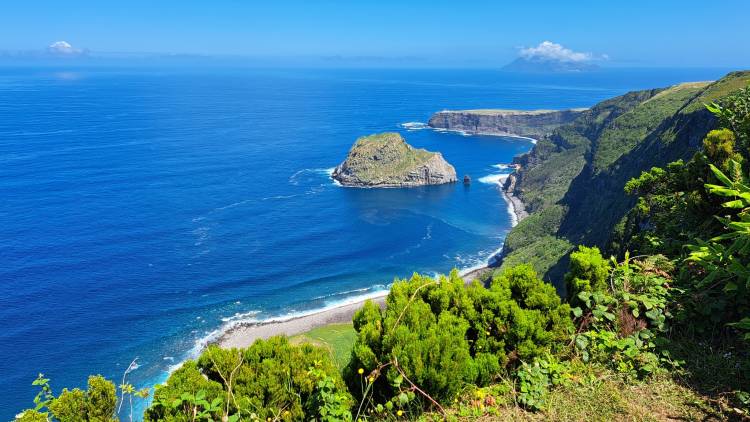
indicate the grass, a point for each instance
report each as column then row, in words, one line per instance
column 594, row 394
column 337, row 338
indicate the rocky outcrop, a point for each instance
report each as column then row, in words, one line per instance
column 528, row 123
column 386, row 160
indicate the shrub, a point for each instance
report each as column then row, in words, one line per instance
column 618, row 325
column 442, row 335
column 588, row 273
column 719, row 147
column 96, row 403
column 270, row 379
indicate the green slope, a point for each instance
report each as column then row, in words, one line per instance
column 572, row 181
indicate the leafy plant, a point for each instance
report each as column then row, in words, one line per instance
column 724, row 260
column 535, row 380
column 439, row 335
column 270, row 379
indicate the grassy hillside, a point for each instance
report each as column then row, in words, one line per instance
column 573, row 180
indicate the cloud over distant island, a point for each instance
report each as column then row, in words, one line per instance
column 553, row 57
column 63, row 48
column 547, row 50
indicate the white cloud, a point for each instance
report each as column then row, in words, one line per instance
column 548, row 50
column 62, row 48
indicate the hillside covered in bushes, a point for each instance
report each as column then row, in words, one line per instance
column 572, row 181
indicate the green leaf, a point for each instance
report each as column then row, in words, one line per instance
column 398, row 381
column 719, row 175
column 403, row 398
column 743, row 324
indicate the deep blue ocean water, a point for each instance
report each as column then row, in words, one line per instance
column 142, row 210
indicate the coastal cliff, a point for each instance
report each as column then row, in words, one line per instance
column 526, row 123
column 386, row 160
column 571, row 182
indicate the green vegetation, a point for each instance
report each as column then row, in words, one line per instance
column 659, row 331
column 97, row 403
column 270, row 379
column 338, row 339
column 444, row 335
column 572, row 180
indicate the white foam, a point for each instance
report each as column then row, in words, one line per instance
column 412, row 126
column 482, row 263
column 249, row 317
column 245, row 316
column 511, row 210
column 493, row 179
column 327, row 172
column 532, row 140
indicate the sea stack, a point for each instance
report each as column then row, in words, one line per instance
column 467, row 180
column 386, row 160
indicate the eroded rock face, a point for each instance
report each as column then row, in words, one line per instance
column 533, row 124
column 386, row 160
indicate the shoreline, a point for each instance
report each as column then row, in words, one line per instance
column 244, row 334
column 515, row 205
column 483, row 133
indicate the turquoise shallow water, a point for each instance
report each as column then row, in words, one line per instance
column 143, row 210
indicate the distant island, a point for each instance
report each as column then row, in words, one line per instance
column 386, row 160
column 550, row 57
column 545, row 65
column 525, row 123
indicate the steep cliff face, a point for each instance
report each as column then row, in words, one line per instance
column 386, row 160
column 572, row 181
column 532, row 124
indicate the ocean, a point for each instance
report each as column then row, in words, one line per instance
column 143, row 210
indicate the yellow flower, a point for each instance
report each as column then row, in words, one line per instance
column 360, row 371
column 371, row 379
column 286, row 413
column 487, row 332
column 400, row 413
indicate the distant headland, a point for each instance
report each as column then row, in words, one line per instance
column 525, row 123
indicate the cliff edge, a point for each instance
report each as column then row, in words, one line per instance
column 527, row 123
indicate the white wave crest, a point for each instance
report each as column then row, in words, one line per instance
column 494, row 179
column 412, row 126
column 298, row 177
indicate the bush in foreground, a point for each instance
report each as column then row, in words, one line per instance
column 437, row 336
column 270, row 379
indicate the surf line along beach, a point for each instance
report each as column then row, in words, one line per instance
column 244, row 334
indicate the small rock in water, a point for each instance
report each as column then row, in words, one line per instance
column 467, row 180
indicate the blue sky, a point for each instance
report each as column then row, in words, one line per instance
column 648, row 33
